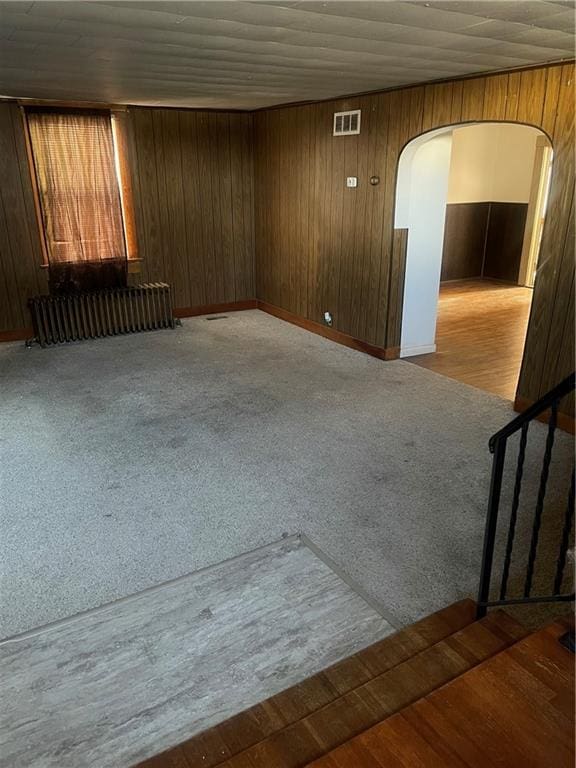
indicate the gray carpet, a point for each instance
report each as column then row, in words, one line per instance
column 129, row 461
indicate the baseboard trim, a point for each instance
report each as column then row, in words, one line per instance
column 565, row 422
column 20, row 334
column 426, row 349
column 213, row 309
column 382, row 353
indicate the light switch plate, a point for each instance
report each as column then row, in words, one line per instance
column 352, row 181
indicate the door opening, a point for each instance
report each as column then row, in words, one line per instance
column 473, row 198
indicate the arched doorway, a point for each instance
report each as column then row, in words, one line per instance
column 472, row 197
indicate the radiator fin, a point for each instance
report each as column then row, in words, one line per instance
column 58, row 319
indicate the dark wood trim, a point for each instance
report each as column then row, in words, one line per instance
column 382, row 353
column 120, row 141
column 20, row 334
column 102, row 105
column 67, row 104
column 565, row 422
column 35, row 192
column 214, row 309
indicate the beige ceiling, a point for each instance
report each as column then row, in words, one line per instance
column 246, row 55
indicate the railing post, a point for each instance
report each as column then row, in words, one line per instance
column 491, row 525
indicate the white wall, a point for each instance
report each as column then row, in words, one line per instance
column 422, row 189
column 492, row 162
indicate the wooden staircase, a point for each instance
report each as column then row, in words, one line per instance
column 395, row 691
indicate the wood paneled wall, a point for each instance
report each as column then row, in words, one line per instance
column 321, row 246
column 21, row 275
column 192, row 177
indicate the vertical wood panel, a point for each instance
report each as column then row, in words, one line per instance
column 194, row 225
column 553, row 82
column 20, row 249
column 243, row 203
column 176, row 251
column 365, row 215
column 11, row 309
column 495, row 97
column 222, row 207
column 319, row 169
column 428, row 109
column 399, row 245
column 531, row 96
column 147, row 200
column 193, row 172
column 514, row 82
column 395, row 141
column 456, row 111
column 473, row 99
column 559, row 353
column 349, row 234
column 442, row 111
column 556, row 263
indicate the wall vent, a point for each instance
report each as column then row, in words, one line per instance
column 346, row 123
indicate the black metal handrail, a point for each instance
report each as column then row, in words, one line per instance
column 497, row 444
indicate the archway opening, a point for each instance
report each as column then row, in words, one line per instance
column 473, row 199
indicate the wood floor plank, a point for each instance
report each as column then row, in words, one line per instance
column 174, row 758
column 350, row 715
column 352, row 753
column 514, row 709
column 208, row 750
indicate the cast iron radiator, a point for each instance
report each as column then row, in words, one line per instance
column 91, row 315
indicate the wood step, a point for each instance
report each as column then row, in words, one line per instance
column 348, row 715
column 252, row 726
column 515, row 709
column 380, row 697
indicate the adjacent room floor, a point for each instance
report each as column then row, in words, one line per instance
column 132, row 460
column 480, row 334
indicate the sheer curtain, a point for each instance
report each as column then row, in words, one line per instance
column 77, row 186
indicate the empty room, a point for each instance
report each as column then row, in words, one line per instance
column 287, row 384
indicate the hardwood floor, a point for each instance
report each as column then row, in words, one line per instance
column 480, row 334
column 516, row 709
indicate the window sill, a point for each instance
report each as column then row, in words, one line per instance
column 130, row 261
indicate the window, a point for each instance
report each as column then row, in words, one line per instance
column 79, row 193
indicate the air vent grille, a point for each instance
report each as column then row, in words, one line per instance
column 346, row 123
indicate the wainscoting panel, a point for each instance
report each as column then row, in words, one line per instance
column 483, row 240
column 504, row 238
column 464, row 240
